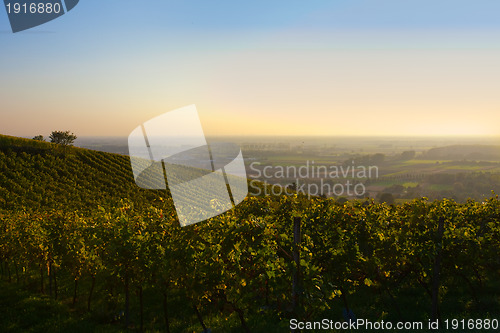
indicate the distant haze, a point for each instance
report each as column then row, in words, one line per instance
column 361, row 144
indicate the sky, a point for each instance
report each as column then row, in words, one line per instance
column 273, row 67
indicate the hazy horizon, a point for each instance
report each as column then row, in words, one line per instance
column 362, row 144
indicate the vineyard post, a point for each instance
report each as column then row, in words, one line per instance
column 92, row 286
column 55, row 283
column 75, row 291
column 165, row 310
column 17, row 273
column 436, row 270
column 296, row 258
column 127, row 300
column 8, row 271
column 200, row 318
column 49, row 274
column 41, row 279
column 141, row 302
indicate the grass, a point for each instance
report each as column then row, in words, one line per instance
column 416, row 162
column 440, row 187
column 23, row 311
column 472, row 168
column 26, row 310
column 386, row 183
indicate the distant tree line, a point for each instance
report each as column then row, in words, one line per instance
column 64, row 138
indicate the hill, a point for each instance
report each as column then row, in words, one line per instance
column 43, row 175
column 467, row 152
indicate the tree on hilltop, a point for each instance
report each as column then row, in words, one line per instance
column 39, row 138
column 62, row 138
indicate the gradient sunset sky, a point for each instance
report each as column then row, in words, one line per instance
column 273, row 67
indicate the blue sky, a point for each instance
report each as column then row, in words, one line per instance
column 249, row 66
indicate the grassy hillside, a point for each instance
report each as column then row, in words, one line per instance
column 467, row 152
column 42, row 175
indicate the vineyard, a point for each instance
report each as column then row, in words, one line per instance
column 76, row 230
